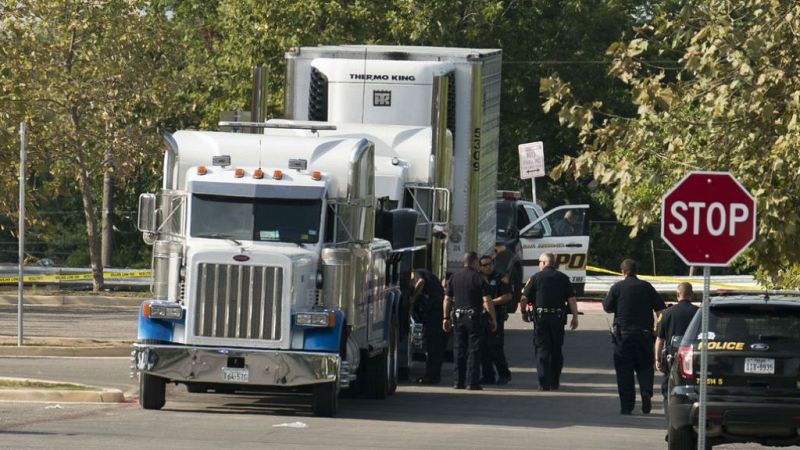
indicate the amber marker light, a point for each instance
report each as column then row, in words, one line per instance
column 239, row 172
column 316, row 175
column 258, row 174
column 277, row 175
column 201, row 170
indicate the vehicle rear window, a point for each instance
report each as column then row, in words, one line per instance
column 752, row 323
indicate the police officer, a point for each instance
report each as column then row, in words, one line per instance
column 427, row 308
column 674, row 322
column 549, row 293
column 492, row 354
column 633, row 302
column 469, row 294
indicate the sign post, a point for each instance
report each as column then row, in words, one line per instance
column 531, row 163
column 708, row 218
column 21, row 232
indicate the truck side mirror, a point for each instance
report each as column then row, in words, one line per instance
column 147, row 213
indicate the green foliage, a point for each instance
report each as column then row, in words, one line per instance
column 730, row 102
column 98, row 80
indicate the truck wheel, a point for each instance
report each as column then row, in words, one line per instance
column 325, row 400
column 681, row 438
column 394, row 361
column 377, row 376
column 152, row 391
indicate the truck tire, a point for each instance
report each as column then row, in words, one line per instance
column 377, row 376
column 152, row 391
column 325, row 399
column 682, row 438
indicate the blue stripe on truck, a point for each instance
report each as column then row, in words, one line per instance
column 154, row 329
column 324, row 339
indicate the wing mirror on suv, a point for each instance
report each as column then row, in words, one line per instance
column 535, row 233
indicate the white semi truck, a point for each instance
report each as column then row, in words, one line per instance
column 277, row 255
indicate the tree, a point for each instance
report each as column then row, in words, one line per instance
column 716, row 87
column 92, row 79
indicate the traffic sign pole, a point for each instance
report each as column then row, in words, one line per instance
column 701, row 421
column 708, row 218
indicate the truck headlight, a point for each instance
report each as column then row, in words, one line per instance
column 315, row 319
column 162, row 310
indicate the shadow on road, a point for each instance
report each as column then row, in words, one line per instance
column 588, row 396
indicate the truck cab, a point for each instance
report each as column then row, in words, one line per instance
column 525, row 231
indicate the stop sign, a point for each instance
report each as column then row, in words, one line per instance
column 708, row 218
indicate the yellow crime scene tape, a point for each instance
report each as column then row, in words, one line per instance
column 74, row 276
column 675, row 280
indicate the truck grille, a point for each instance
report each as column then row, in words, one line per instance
column 238, row 301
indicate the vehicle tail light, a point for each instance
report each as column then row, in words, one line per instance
column 201, row 170
column 258, row 174
column 238, row 173
column 316, row 175
column 686, row 361
column 277, row 175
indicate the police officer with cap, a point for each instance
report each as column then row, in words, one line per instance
column 673, row 324
column 633, row 302
column 427, row 308
column 492, row 354
column 548, row 293
column 468, row 293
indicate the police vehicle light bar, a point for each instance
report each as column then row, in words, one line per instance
column 509, row 195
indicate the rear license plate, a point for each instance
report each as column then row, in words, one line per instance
column 235, row 374
column 759, row 365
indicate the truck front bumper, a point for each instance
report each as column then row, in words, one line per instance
column 212, row 365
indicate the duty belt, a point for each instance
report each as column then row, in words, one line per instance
column 541, row 311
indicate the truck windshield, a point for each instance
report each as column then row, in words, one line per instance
column 256, row 219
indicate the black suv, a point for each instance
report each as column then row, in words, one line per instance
column 753, row 375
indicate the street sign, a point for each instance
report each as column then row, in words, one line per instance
column 531, row 160
column 708, row 218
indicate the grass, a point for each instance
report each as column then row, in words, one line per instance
column 28, row 384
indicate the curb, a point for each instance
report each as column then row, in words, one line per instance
column 101, row 395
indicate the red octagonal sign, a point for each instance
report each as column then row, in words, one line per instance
column 708, row 218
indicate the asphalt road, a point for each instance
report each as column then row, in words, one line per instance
column 584, row 414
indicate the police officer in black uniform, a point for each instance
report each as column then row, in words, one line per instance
column 549, row 293
column 427, row 308
column 469, row 294
column 674, row 322
column 492, row 354
column 633, row 302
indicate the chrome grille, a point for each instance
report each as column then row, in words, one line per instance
column 238, row 301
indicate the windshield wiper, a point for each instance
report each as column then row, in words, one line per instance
column 219, row 236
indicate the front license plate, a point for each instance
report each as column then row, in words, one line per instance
column 759, row 365
column 235, row 374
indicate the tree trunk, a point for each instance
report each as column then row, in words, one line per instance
column 91, row 225
column 107, row 224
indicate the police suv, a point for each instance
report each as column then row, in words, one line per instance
column 753, row 375
column 525, row 231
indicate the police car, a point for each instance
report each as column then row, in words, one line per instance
column 753, row 375
column 525, row 231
